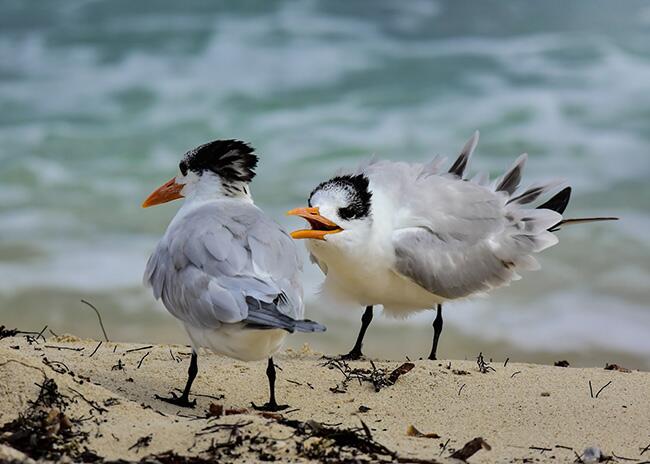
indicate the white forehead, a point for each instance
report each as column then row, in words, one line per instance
column 331, row 195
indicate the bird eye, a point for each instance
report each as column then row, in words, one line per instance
column 347, row 213
column 183, row 168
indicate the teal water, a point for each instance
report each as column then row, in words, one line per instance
column 99, row 100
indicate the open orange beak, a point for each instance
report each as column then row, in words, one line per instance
column 167, row 192
column 320, row 226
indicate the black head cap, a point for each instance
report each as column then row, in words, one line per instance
column 232, row 160
column 357, row 193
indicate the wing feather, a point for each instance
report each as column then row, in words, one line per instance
column 457, row 238
column 215, row 260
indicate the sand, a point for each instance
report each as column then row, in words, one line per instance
column 524, row 412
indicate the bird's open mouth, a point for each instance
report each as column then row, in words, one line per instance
column 320, row 226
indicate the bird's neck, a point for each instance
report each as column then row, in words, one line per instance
column 211, row 187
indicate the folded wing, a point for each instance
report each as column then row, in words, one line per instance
column 222, row 263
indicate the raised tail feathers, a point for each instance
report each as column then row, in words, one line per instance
column 571, row 221
column 559, row 202
column 460, row 165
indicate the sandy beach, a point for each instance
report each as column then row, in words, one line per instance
column 105, row 410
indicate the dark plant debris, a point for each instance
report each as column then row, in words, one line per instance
column 119, row 366
column 471, row 448
column 378, row 377
column 616, row 367
column 6, row 333
column 31, row 336
column 142, row 442
column 563, row 363
column 44, row 430
column 483, row 366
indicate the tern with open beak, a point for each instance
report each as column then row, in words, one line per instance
column 229, row 273
column 412, row 236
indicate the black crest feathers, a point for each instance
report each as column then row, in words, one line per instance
column 358, row 194
column 232, row 160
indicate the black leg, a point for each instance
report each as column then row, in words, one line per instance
column 184, row 399
column 271, row 405
column 437, row 330
column 366, row 319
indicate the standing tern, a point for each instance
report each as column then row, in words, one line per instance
column 412, row 236
column 227, row 271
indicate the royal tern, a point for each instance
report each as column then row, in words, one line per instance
column 223, row 268
column 412, row 236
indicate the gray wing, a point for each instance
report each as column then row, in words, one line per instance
column 223, row 260
column 456, row 237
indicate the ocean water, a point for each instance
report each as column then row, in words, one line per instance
column 99, row 100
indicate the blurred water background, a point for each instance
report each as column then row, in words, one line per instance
column 99, row 100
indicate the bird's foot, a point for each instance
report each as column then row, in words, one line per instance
column 270, row 407
column 182, row 401
column 353, row 355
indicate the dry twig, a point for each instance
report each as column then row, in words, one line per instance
column 99, row 316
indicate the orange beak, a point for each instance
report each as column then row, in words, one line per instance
column 320, row 226
column 167, row 192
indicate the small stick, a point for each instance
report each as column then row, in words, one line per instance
column 591, row 390
column 139, row 349
column 95, row 350
column 142, row 359
column 366, row 430
column 645, row 449
column 64, row 348
column 175, row 358
column 99, row 316
column 539, row 448
column 444, row 447
column 53, row 365
column 506, row 363
column 90, row 402
column 461, row 389
column 602, row 388
column 515, row 373
column 40, row 334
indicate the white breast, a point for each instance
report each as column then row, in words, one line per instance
column 360, row 267
column 234, row 341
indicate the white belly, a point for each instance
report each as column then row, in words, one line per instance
column 233, row 341
column 370, row 280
